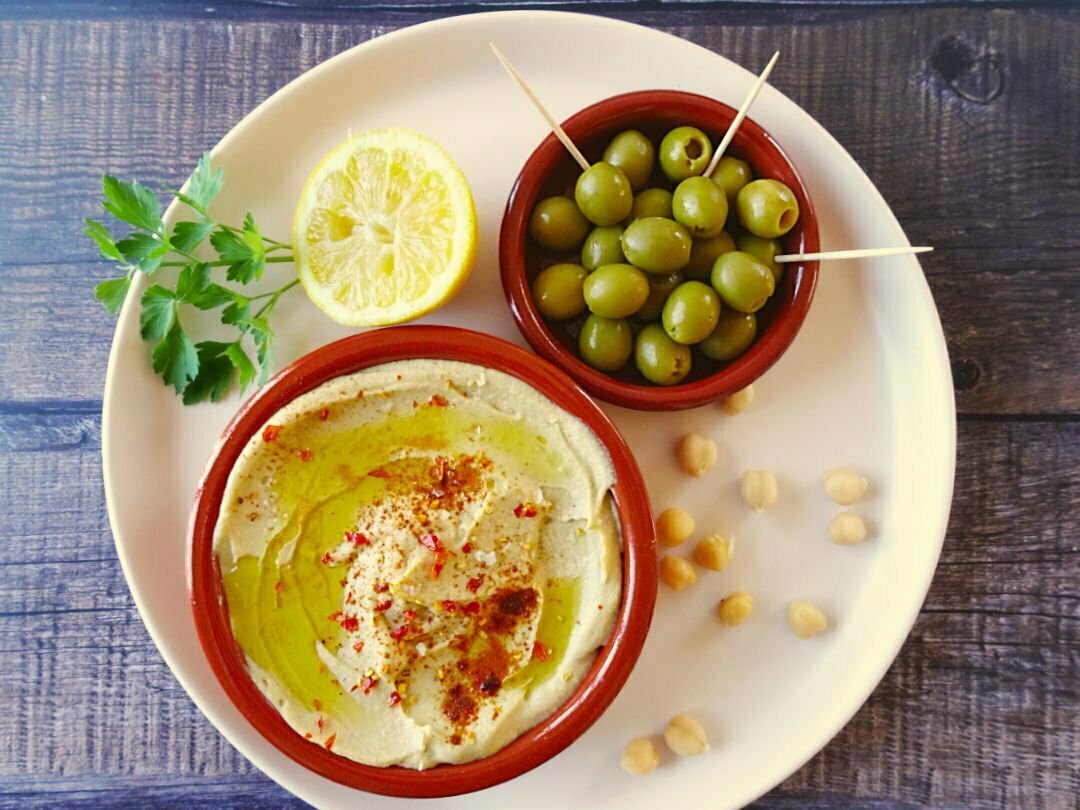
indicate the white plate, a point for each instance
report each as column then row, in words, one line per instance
column 866, row 383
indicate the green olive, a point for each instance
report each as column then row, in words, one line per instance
column 652, row 202
column 632, row 152
column 559, row 291
column 660, row 288
column 744, row 283
column 601, row 247
column 731, row 174
column 766, row 250
column 605, row 344
column 603, row 194
column 657, row 245
column 703, row 255
column 767, row 208
column 557, row 224
column 700, row 205
column 691, row 312
column 659, row 358
column 734, row 333
column 615, row 290
column 684, row 152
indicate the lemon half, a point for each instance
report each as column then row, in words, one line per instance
column 385, row 230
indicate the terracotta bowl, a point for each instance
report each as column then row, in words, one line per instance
column 550, row 170
column 613, row 662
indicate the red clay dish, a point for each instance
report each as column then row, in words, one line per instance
column 550, row 170
column 613, row 663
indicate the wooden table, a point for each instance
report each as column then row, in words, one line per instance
column 967, row 119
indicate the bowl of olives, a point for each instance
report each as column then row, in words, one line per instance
column 650, row 284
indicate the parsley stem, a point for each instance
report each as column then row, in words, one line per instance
column 269, row 260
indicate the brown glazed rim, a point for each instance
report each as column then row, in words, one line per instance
column 640, row 109
column 613, row 662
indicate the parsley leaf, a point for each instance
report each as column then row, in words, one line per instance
column 112, row 293
column 244, row 366
column 100, row 234
column 175, row 358
column 214, row 296
column 205, row 183
column 187, row 236
column 215, row 373
column 158, row 312
column 132, row 203
column 244, row 251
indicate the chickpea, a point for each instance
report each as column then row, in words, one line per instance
column 639, row 757
column 805, row 619
column 759, row 489
column 738, row 402
column 714, row 552
column 735, row 609
column 674, row 526
column 696, row 454
column 847, row 528
column 844, row 485
column 677, row 573
column 685, row 736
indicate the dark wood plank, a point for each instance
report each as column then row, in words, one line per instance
column 980, row 167
column 981, row 709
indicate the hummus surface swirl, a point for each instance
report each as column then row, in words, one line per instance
column 420, row 561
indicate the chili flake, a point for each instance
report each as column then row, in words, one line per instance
column 379, row 472
column 400, row 632
column 320, row 723
column 431, row 542
column 539, row 653
column 271, row 432
column 394, row 699
column 410, row 614
column 474, row 584
column 357, row 646
column 279, row 586
column 324, row 414
column 305, row 455
column 381, row 587
column 327, row 559
column 383, row 606
column 526, row 509
column 357, row 539
column 438, row 400
column 449, row 605
column 330, row 741
column 316, row 704
column 368, row 684
column 470, row 608
column 467, row 548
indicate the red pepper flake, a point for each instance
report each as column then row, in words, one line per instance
column 368, row 684
column 357, row 539
column 431, row 542
column 317, row 704
column 279, row 586
column 467, row 548
column 399, row 633
column 320, row 723
column 381, row 587
column 271, row 432
column 383, row 606
column 526, row 509
column 306, row 455
column 409, row 615
column 474, row 584
column 438, row 400
column 330, row 741
column 539, row 653
column 379, row 472
column 357, row 646
column 324, row 414
column 327, row 559
column 437, row 566
column 307, row 736
column 394, row 700
column 449, row 605
column 470, row 608
column 350, row 624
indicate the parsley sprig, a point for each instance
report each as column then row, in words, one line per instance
column 203, row 370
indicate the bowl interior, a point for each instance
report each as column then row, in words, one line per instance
column 551, row 171
column 613, row 662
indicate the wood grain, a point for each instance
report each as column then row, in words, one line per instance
column 965, row 119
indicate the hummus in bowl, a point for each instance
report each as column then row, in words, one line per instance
column 421, row 561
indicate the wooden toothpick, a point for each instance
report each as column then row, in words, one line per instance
column 867, row 253
column 726, row 140
column 560, row 133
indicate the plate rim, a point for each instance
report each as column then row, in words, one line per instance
column 935, row 335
